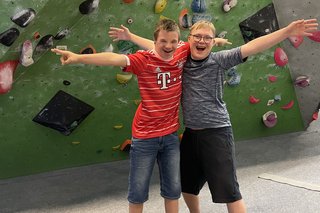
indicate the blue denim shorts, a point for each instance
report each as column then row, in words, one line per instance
column 143, row 155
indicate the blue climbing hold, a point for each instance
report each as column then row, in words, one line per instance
column 198, row 6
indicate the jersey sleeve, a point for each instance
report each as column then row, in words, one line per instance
column 135, row 62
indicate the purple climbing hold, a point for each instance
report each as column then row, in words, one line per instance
column 198, row 6
column 9, row 36
column 302, row 81
column 88, row 6
column 269, row 119
column 23, row 17
column 44, row 44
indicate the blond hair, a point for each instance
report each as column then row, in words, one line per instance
column 166, row 25
column 203, row 24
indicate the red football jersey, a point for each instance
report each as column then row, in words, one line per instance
column 160, row 85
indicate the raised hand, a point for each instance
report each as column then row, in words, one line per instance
column 122, row 33
column 302, row 27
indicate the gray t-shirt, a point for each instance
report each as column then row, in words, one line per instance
column 202, row 89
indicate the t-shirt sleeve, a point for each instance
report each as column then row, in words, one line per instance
column 229, row 58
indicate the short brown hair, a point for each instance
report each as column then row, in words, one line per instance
column 166, row 25
column 203, row 24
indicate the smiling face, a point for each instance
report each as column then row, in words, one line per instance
column 166, row 44
column 201, row 39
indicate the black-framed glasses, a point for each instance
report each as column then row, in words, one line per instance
column 206, row 39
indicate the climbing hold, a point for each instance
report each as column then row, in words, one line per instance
column 269, row 119
column 36, row 35
column 160, row 5
column 109, row 48
column 235, row 77
column 272, row 78
column 88, row 50
column 296, row 40
column 61, row 34
column 7, row 70
column 123, row 78
column 184, row 20
column 228, row 5
column 280, row 57
column 198, row 6
column 26, row 54
column 23, row 17
column 128, row 1
column 118, row 126
column 9, row 36
column 114, row 148
column 315, row 36
column 75, row 142
column 44, row 44
column 125, row 146
column 288, row 105
column 270, row 102
column 137, row 101
column 67, row 83
column 88, row 6
column 302, row 81
column 253, row 100
column 222, row 34
column 198, row 17
column 129, row 20
column 277, row 97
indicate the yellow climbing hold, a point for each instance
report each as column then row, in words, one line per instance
column 119, row 126
column 123, row 78
column 163, row 17
column 137, row 101
column 75, row 142
column 116, row 147
column 160, row 5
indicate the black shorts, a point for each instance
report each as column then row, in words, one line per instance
column 208, row 156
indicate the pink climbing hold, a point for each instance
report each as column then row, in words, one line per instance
column 253, row 100
column 272, row 78
column 315, row 36
column 280, row 57
column 7, row 70
column 296, row 40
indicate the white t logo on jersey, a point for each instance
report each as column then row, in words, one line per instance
column 163, row 79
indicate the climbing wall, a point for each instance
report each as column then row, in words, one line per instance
column 26, row 147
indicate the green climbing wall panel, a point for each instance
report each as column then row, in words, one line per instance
column 27, row 147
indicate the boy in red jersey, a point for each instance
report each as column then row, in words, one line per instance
column 155, row 125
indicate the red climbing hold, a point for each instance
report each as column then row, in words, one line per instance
column 315, row 36
column 288, row 105
column 296, row 40
column 253, row 99
column 280, row 57
column 7, row 70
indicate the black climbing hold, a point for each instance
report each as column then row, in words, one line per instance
column 61, row 34
column 88, row 6
column 9, row 36
column 45, row 43
column 63, row 113
column 67, row 83
column 23, row 17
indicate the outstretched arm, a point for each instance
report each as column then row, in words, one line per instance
column 295, row 28
column 124, row 33
column 100, row 59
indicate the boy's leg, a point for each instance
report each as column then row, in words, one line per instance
column 135, row 208
column 192, row 177
column 237, row 207
column 143, row 154
column 169, row 163
column 192, row 202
